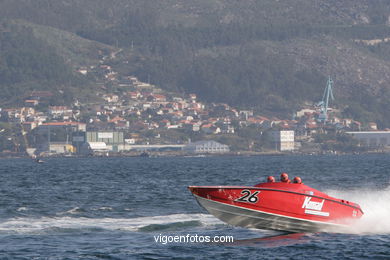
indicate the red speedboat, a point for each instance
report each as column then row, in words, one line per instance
column 286, row 206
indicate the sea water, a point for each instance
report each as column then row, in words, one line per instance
column 126, row 208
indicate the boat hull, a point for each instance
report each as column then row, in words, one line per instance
column 277, row 207
column 247, row 218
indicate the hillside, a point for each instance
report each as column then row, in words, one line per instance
column 26, row 62
column 76, row 51
column 271, row 55
column 36, row 57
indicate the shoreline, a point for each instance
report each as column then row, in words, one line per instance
column 155, row 154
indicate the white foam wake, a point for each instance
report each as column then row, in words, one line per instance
column 376, row 207
column 45, row 224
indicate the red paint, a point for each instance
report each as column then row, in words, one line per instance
column 287, row 199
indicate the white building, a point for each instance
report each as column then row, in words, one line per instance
column 284, row 140
column 372, row 138
column 94, row 148
column 206, row 147
column 303, row 111
column 63, row 112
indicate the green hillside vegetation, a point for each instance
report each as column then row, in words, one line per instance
column 34, row 57
column 75, row 50
column 27, row 63
column 271, row 55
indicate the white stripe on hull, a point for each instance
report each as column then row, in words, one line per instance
column 316, row 212
column 243, row 217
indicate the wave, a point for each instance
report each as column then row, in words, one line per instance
column 75, row 210
column 171, row 226
column 78, row 210
column 375, row 205
column 70, row 224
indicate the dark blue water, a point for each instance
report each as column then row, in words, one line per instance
column 114, row 208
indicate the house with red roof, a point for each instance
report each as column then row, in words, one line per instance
column 134, row 95
column 210, row 129
column 31, row 102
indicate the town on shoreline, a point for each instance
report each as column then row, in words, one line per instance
column 135, row 118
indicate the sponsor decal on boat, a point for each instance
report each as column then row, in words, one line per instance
column 314, row 207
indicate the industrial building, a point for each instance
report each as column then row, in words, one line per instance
column 94, row 148
column 56, row 148
column 283, row 140
column 372, row 138
column 113, row 140
column 71, row 126
column 206, row 147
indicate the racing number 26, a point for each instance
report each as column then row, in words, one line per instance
column 248, row 196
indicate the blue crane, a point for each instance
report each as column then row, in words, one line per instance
column 328, row 94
